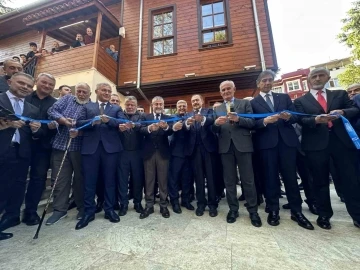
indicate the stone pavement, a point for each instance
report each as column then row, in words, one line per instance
column 186, row 241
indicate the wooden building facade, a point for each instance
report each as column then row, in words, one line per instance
column 171, row 48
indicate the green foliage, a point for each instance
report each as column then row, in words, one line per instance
column 4, row 6
column 350, row 36
column 350, row 76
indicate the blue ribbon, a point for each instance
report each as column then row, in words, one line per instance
column 348, row 127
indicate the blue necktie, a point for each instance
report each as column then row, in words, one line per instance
column 17, row 110
column 268, row 101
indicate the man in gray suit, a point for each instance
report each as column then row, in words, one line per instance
column 235, row 147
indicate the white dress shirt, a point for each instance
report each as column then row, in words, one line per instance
column 315, row 93
column 13, row 99
column 270, row 96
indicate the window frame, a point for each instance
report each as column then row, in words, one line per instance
column 305, row 85
column 292, row 82
column 276, row 88
column 227, row 26
column 152, row 13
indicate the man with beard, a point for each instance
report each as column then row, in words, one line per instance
column 65, row 112
column 100, row 149
column 323, row 137
column 131, row 162
column 277, row 142
column 156, row 154
column 180, row 171
column 202, row 148
column 15, row 148
column 10, row 68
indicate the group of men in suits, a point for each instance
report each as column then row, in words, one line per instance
column 172, row 151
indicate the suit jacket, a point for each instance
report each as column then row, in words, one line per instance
column 156, row 140
column 178, row 141
column 26, row 134
column 315, row 137
column 268, row 137
column 133, row 139
column 107, row 133
column 238, row 132
column 208, row 137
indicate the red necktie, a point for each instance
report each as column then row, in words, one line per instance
column 323, row 104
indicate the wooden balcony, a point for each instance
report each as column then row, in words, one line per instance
column 79, row 59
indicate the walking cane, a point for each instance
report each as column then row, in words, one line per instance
column 52, row 191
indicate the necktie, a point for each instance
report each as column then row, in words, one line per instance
column 323, row 104
column 102, row 108
column 157, row 116
column 17, row 110
column 268, row 101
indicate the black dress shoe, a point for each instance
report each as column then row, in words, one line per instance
column 176, row 208
column 138, row 208
column 84, row 221
column 188, row 206
column 31, row 219
column 313, row 209
column 273, row 218
column 165, row 212
column 301, row 220
column 286, row 206
column 323, row 223
column 9, row 222
column 255, row 220
column 112, row 216
column 242, row 198
column 199, row 211
column 123, row 210
column 5, row 236
column 231, row 216
column 99, row 207
column 213, row 212
column 357, row 224
column 147, row 212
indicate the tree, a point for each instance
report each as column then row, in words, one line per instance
column 350, row 36
column 4, row 6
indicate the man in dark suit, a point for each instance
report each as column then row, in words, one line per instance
column 235, row 147
column 100, row 148
column 180, row 170
column 10, row 68
column 277, row 142
column 156, row 155
column 202, row 148
column 41, row 154
column 15, row 148
column 131, row 162
column 323, row 137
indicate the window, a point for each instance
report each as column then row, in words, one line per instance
column 293, row 85
column 162, row 31
column 334, row 82
column 304, row 83
column 214, row 27
column 277, row 89
column 170, row 109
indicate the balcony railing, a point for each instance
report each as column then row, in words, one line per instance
column 30, row 67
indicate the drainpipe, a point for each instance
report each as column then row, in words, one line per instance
column 140, row 48
column 257, row 26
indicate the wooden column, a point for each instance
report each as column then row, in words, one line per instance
column 42, row 40
column 97, row 39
